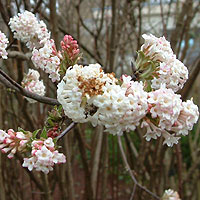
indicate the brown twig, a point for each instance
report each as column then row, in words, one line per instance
column 10, row 83
column 19, row 55
column 179, row 168
column 131, row 173
column 72, row 125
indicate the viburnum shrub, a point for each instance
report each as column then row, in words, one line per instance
column 88, row 94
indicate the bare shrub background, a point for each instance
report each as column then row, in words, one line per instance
column 108, row 32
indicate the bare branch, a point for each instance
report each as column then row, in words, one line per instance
column 193, row 75
column 19, row 55
column 131, row 173
column 72, row 125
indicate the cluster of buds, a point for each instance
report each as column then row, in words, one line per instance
column 32, row 83
column 43, row 156
column 43, row 151
column 12, row 142
column 53, row 132
column 70, row 47
column 170, row 195
column 70, row 52
column 29, row 30
column 3, row 45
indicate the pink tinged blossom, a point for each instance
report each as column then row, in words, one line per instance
column 58, row 157
column 32, row 83
column 188, row 117
column 6, row 150
column 3, row 135
column 2, row 146
column 158, row 49
column 13, row 142
column 48, row 59
column 172, row 73
column 20, row 135
column 49, row 142
column 3, row 46
column 165, row 106
column 10, row 155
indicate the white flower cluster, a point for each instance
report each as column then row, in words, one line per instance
column 12, row 141
column 29, row 30
column 32, row 83
column 170, row 195
column 171, row 72
column 88, row 94
column 187, row 118
column 168, row 116
column 43, row 156
column 3, row 45
column 48, row 59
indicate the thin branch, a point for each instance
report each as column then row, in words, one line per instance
column 193, row 76
column 179, row 169
column 131, row 173
column 133, row 192
column 10, row 83
column 19, row 55
column 37, row 6
column 82, row 22
column 112, row 37
column 11, row 43
column 69, row 128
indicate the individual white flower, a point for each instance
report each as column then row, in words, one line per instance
column 153, row 132
column 49, row 142
column 33, row 74
column 44, row 155
column 58, row 157
column 3, row 45
column 39, row 166
column 170, row 195
column 170, row 139
column 29, row 163
column 29, row 29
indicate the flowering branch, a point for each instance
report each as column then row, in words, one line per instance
column 10, row 83
column 131, row 173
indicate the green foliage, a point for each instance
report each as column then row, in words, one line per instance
column 44, row 133
column 34, row 135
